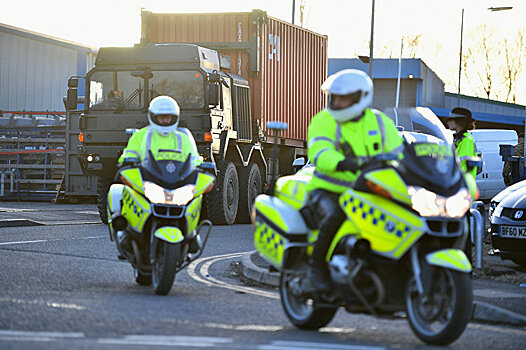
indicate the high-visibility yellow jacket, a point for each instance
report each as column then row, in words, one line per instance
column 465, row 145
column 177, row 146
column 329, row 142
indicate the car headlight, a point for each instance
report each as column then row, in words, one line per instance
column 498, row 211
column 159, row 195
column 491, row 208
column 428, row 203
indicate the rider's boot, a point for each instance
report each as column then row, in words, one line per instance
column 320, row 274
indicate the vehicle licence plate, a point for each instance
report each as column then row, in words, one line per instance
column 513, row 231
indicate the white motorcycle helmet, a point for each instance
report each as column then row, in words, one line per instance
column 164, row 105
column 353, row 83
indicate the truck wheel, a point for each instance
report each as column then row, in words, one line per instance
column 103, row 186
column 250, row 185
column 223, row 200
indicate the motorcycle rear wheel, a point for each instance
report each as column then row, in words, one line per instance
column 302, row 311
column 164, row 266
column 442, row 318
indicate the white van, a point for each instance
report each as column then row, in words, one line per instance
column 490, row 180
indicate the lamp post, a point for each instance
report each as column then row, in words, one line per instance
column 293, row 9
column 371, row 43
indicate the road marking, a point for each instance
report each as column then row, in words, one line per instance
column 7, row 335
column 298, row 345
column 50, row 240
column 24, row 242
column 45, row 303
column 207, row 279
column 156, row 340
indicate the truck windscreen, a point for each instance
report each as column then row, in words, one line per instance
column 116, row 91
column 186, row 87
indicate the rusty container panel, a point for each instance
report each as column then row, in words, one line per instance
column 284, row 64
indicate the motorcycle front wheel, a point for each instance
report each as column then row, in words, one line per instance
column 301, row 310
column 164, row 265
column 441, row 317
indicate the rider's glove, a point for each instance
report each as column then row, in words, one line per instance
column 348, row 164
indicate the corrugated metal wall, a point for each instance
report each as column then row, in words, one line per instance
column 293, row 61
column 34, row 71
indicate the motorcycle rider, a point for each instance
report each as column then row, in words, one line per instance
column 338, row 138
column 161, row 134
column 460, row 121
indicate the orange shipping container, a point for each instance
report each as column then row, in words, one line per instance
column 284, row 64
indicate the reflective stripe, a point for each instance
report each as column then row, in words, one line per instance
column 382, row 129
column 132, row 152
column 332, row 180
column 338, row 135
column 145, row 149
column 318, row 154
column 322, row 138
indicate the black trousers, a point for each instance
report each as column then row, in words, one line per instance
column 330, row 217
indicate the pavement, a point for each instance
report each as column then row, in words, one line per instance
column 495, row 301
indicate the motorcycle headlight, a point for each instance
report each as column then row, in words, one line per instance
column 158, row 195
column 427, row 203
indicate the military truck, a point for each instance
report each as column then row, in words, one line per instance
column 225, row 111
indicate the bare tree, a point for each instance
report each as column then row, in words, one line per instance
column 514, row 53
column 480, row 61
column 412, row 44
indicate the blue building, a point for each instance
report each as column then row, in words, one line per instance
column 420, row 86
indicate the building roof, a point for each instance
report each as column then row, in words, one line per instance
column 44, row 38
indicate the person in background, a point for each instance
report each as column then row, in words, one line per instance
column 507, row 169
column 461, row 122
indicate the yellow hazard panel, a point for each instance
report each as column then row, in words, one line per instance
column 390, row 228
column 193, row 211
column 269, row 243
column 293, row 190
column 135, row 208
column 133, row 178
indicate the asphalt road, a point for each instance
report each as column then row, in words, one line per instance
column 62, row 287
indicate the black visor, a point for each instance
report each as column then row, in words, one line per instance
column 352, row 98
column 173, row 119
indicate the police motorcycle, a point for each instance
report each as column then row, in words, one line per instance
column 398, row 251
column 153, row 216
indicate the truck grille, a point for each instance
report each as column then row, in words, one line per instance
column 241, row 113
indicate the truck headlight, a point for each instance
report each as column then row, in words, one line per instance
column 159, row 195
column 428, row 203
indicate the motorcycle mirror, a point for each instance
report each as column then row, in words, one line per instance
column 131, row 131
column 277, row 125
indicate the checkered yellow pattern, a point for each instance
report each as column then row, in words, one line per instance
column 269, row 243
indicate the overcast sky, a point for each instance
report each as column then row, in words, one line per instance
column 347, row 23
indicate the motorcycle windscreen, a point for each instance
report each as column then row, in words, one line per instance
column 168, row 168
column 433, row 166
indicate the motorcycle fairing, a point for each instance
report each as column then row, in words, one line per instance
column 135, row 208
column 389, row 180
column 132, row 177
column 169, row 234
column 193, row 211
column 203, row 181
column 390, row 228
column 293, row 190
column 346, row 229
column 454, row 259
column 277, row 223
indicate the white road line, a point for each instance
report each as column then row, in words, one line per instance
column 207, row 279
column 45, row 303
column 24, row 242
column 297, row 345
column 166, row 340
column 10, row 335
column 50, row 240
